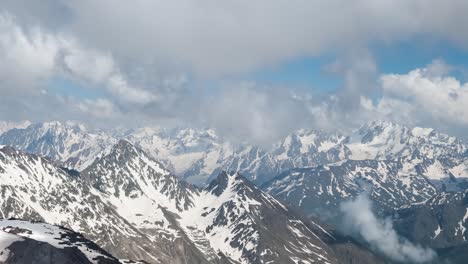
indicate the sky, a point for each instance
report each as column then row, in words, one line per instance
column 254, row 71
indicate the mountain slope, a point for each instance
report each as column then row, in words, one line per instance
column 29, row 242
column 150, row 198
column 390, row 183
column 133, row 207
column 226, row 219
column 440, row 223
column 238, row 220
column 33, row 188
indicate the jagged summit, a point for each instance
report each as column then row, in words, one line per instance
column 235, row 180
column 127, row 171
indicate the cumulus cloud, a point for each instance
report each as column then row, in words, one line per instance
column 440, row 97
column 147, row 56
column 426, row 96
column 30, row 58
column 198, row 36
column 379, row 233
column 26, row 59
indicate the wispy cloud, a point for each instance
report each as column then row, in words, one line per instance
column 379, row 233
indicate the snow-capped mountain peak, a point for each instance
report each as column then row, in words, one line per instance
column 128, row 172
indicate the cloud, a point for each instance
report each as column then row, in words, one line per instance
column 255, row 113
column 99, row 108
column 440, row 97
column 213, row 37
column 30, row 58
column 379, row 233
column 148, row 59
column 426, row 96
column 26, row 59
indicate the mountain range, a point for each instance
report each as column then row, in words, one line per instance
column 130, row 205
column 252, row 204
column 199, row 155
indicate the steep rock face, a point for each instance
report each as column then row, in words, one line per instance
column 440, row 222
column 391, row 184
column 231, row 220
column 150, row 198
column 128, row 171
column 129, row 205
column 27, row 242
column 238, row 219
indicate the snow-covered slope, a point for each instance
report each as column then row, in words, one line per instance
column 387, row 140
column 320, row 190
column 390, row 183
column 238, row 219
column 130, row 205
column 303, row 148
column 223, row 220
column 192, row 154
column 150, row 198
column 33, row 242
column 34, row 188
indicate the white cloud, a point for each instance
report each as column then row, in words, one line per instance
column 26, row 59
column 379, row 233
column 144, row 55
column 213, row 37
column 119, row 87
column 426, row 96
column 254, row 113
column 30, row 58
column 100, row 108
column 87, row 64
column 99, row 69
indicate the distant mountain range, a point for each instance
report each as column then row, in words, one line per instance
column 119, row 189
column 199, row 155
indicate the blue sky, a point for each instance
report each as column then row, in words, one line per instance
column 309, row 74
column 397, row 58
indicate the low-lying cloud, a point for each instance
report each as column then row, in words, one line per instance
column 379, row 233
